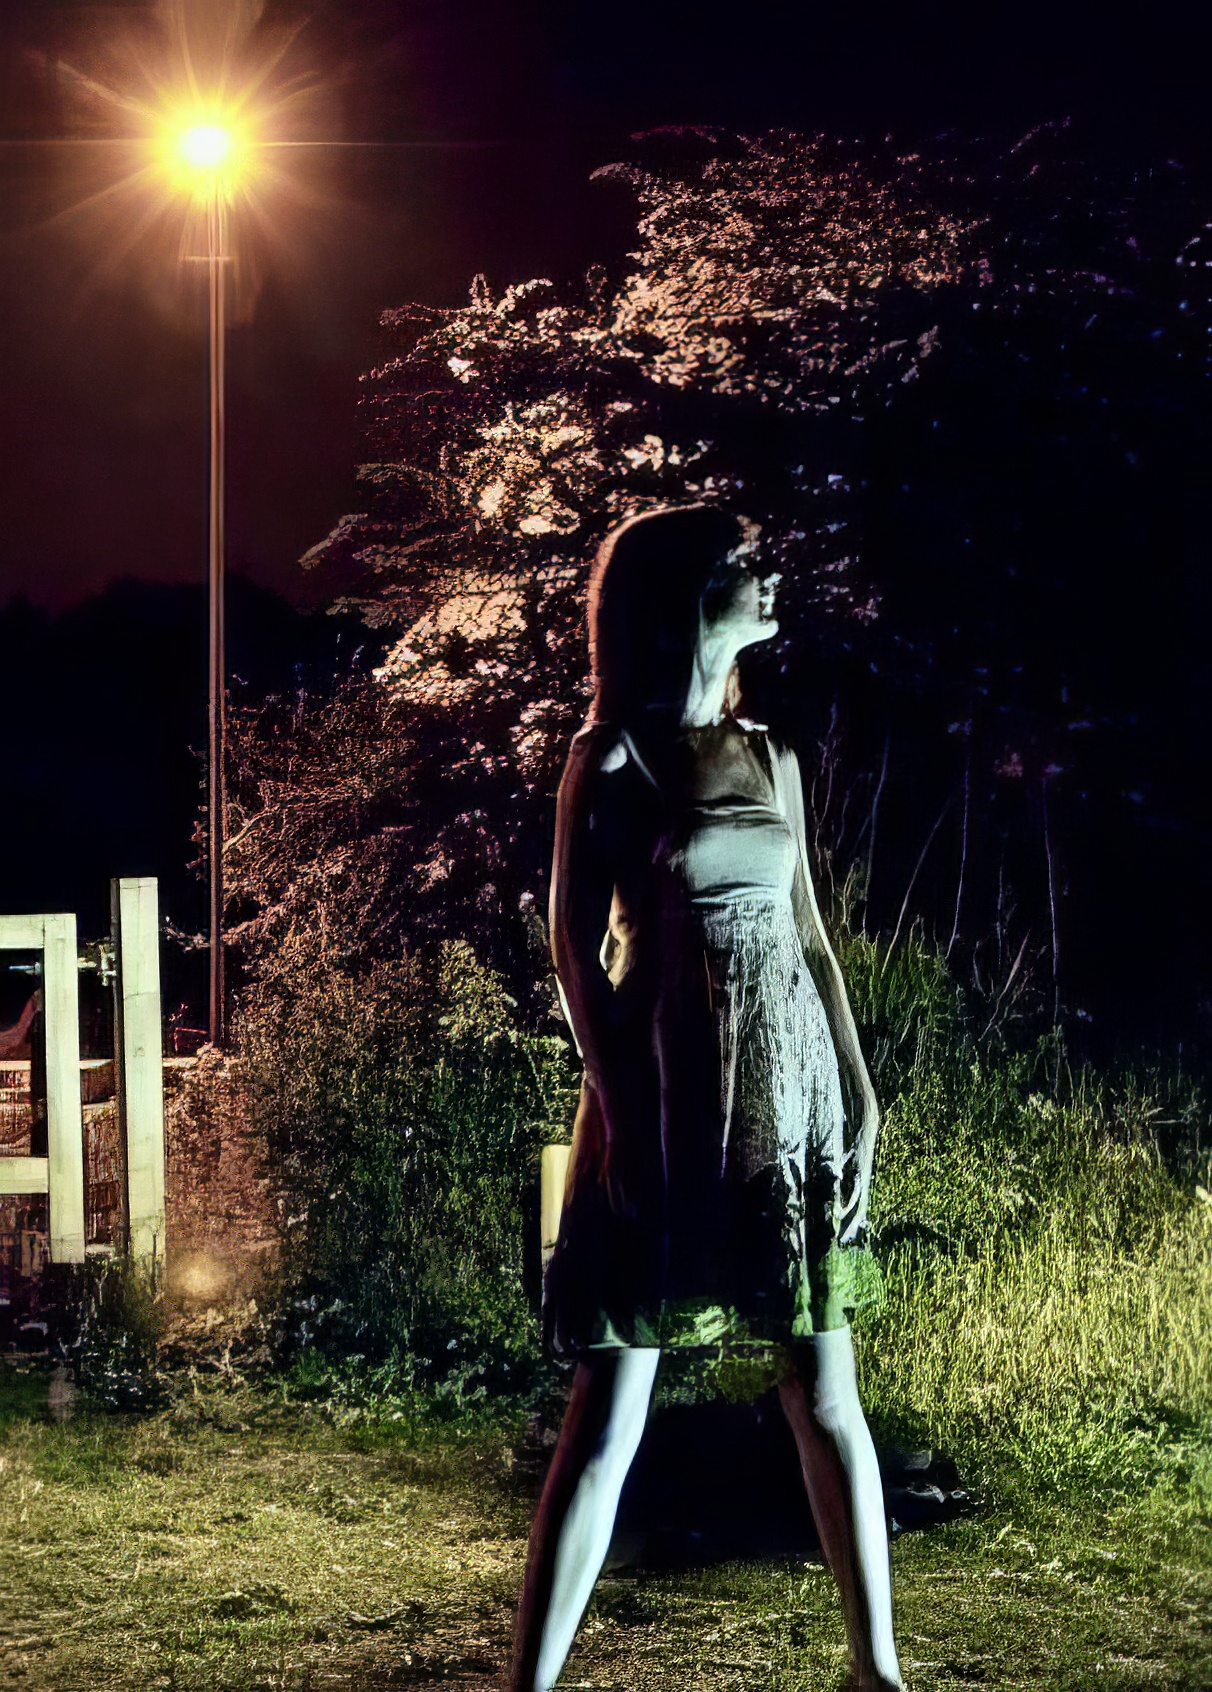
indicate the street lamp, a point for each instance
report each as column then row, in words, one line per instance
column 205, row 155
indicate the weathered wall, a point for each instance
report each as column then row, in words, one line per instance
column 220, row 1206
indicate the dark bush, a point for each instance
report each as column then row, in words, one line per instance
column 404, row 1108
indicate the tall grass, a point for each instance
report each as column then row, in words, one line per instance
column 1080, row 1360
column 1047, row 1256
column 1046, row 1245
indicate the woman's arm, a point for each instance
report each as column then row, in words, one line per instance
column 858, row 1091
column 582, row 891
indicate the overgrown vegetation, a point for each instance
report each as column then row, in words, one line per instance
column 1046, row 1239
column 404, row 1108
column 1045, row 1234
column 113, row 1336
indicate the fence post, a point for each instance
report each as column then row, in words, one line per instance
column 139, row 1053
column 64, row 1116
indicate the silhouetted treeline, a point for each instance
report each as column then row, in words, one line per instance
column 103, row 737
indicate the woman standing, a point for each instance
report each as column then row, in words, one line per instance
column 721, row 1161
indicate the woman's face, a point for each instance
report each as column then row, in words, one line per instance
column 741, row 609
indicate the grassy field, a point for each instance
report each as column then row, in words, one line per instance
column 238, row 1539
column 1046, row 1241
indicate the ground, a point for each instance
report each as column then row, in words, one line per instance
column 238, row 1539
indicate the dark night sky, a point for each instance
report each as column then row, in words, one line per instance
column 465, row 132
column 496, row 114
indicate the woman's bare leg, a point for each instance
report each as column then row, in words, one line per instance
column 572, row 1526
column 843, row 1481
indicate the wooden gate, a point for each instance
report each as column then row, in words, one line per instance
column 138, row 1072
column 60, row 1174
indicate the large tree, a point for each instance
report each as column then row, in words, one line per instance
column 780, row 285
column 799, row 326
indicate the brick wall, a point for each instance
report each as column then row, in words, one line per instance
column 220, row 1205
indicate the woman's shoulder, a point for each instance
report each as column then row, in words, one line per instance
column 761, row 734
column 605, row 767
column 771, row 741
column 612, row 751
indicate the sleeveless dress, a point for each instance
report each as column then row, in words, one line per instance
column 752, row 1213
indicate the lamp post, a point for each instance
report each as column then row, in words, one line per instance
column 206, row 148
column 217, row 706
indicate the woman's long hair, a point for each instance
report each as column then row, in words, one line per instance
column 651, row 587
column 651, row 581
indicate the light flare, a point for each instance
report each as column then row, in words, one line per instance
column 206, row 146
column 208, row 154
column 219, row 117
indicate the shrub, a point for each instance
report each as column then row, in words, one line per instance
column 404, row 1109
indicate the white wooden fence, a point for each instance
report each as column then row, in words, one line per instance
column 138, row 1067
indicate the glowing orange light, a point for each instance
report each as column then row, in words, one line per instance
column 206, row 153
column 206, row 146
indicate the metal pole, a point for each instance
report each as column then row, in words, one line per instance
column 217, row 798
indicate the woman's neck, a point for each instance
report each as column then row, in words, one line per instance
column 707, row 697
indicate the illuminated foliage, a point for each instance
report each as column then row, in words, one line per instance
column 777, row 284
column 902, row 367
column 776, row 281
